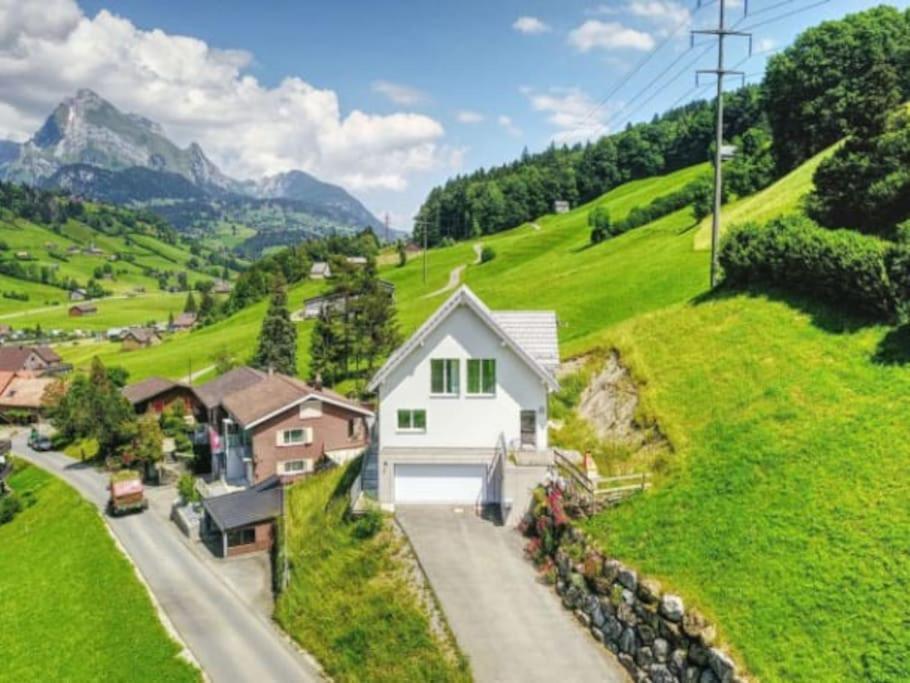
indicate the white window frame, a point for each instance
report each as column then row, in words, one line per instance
column 481, row 393
column 411, row 412
column 304, row 462
column 282, row 437
column 448, row 365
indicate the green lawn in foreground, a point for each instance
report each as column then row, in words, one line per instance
column 350, row 601
column 72, row 606
column 786, row 516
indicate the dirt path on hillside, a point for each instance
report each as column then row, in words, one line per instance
column 535, row 226
column 455, row 274
column 195, row 375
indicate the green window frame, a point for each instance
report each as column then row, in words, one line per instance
column 444, row 374
column 412, row 420
column 482, row 376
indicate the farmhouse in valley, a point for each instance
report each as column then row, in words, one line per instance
column 139, row 338
column 34, row 360
column 80, row 310
column 157, row 394
column 320, row 270
column 463, row 401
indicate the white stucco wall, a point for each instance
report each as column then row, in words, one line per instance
column 463, row 421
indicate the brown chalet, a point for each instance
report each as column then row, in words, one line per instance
column 157, row 394
column 285, row 427
column 139, row 338
column 80, row 310
column 37, row 360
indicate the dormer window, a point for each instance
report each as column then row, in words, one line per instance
column 444, row 376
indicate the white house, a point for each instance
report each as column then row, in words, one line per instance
column 465, row 392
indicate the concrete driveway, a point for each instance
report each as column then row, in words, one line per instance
column 510, row 627
column 228, row 638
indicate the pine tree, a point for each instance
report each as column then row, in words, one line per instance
column 190, row 305
column 278, row 336
column 207, row 305
column 323, row 348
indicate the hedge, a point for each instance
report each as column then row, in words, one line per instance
column 864, row 274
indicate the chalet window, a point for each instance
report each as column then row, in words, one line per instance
column 295, row 437
column 412, row 420
column 294, row 466
column 482, row 376
column 352, row 429
column 444, row 376
column 244, row 536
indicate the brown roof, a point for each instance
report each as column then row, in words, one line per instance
column 12, row 358
column 147, row 389
column 185, row 320
column 214, row 392
column 143, row 335
column 25, row 392
column 48, row 355
column 85, row 308
column 5, row 329
column 274, row 394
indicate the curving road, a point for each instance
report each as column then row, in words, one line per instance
column 230, row 641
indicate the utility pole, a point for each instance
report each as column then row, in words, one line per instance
column 426, row 231
column 387, row 227
column 721, row 32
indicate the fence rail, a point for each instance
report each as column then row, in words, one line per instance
column 601, row 489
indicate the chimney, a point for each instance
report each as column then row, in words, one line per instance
column 317, row 382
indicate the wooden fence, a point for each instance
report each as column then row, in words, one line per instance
column 603, row 490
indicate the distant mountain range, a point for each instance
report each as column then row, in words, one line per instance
column 90, row 148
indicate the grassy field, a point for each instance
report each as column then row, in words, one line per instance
column 644, row 269
column 350, row 601
column 784, row 196
column 73, row 608
column 785, row 515
column 113, row 312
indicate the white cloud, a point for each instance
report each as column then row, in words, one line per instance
column 49, row 49
column 610, row 35
column 766, row 45
column 508, row 125
column 574, row 114
column 666, row 14
column 530, row 26
column 468, row 116
column 403, row 95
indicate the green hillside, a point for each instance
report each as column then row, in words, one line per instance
column 782, row 512
column 644, row 269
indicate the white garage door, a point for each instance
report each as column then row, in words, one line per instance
column 440, row 484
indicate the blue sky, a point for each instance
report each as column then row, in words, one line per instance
column 441, row 88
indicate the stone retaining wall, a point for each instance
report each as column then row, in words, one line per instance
column 651, row 632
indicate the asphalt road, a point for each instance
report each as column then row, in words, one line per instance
column 510, row 627
column 229, row 640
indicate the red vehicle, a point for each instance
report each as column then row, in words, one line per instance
column 127, row 493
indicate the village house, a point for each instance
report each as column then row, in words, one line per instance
column 356, row 260
column 78, row 295
column 462, row 413
column 23, row 393
column 184, row 321
column 80, row 310
column 221, row 287
column 314, row 306
column 35, row 360
column 320, row 270
column 5, row 332
column 157, row 395
column 273, row 429
column 139, row 338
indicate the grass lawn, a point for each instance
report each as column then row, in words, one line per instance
column 73, row 608
column 350, row 602
column 786, row 514
column 120, row 312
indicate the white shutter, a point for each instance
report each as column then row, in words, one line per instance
column 308, row 435
column 279, row 438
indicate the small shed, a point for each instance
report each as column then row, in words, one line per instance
column 356, row 260
column 561, row 206
column 80, row 310
column 184, row 321
column 320, row 270
column 244, row 521
column 78, row 295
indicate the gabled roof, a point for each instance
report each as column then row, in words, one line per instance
column 212, row 393
column 539, row 353
column 258, row 503
column 185, row 320
column 47, row 354
column 13, row 358
column 276, row 394
column 85, row 308
column 148, row 389
column 142, row 335
column 25, row 392
column 319, row 267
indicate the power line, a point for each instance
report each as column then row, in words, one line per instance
column 786, row 15
column 641, row 64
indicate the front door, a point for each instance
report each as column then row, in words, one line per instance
column 529, row 428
